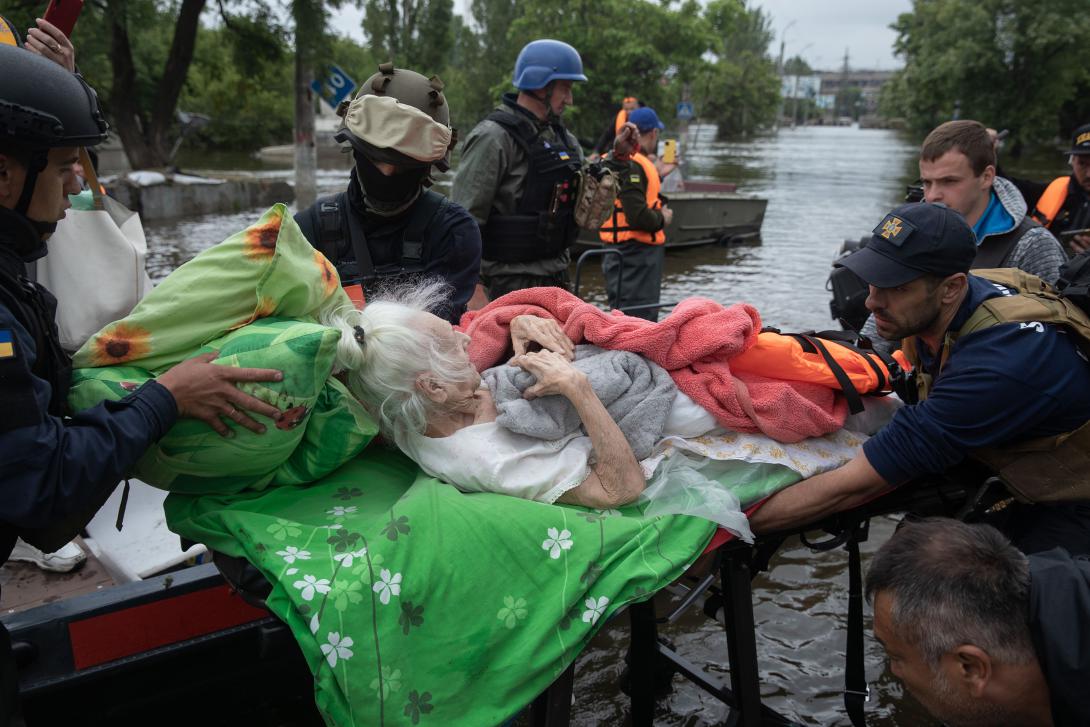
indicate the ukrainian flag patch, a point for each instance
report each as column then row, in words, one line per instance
column 7, row 343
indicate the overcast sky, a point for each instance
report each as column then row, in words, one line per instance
column 819, row 31
column 822, row 30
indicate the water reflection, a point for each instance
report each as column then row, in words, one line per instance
column 824, row 184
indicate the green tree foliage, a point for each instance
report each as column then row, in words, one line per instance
column 629, row 48
column 1010, row 64
column 416, row 34
column 248, row 98
column 797, row 66
column 740, row 91
column 237, row 65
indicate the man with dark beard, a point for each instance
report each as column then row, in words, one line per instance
column 980, row 634
column 388, row 224
column 984, row 387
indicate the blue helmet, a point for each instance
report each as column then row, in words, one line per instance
column 541, row 62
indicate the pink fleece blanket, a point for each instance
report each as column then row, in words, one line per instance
column 695, row 343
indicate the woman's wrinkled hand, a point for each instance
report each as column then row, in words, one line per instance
column 554, row 374
column 544, row 332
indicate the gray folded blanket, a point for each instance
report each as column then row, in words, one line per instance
column 636, row 392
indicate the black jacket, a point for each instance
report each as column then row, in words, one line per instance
column 55, row 470
column 1074, row 214
column 1059, row 620
column 451, row 242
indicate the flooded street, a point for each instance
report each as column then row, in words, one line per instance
column 824, row 184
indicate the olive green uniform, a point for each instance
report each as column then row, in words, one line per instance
column 491, row 178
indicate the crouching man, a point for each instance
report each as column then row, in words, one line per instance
column 979, row 633
column 988, row 387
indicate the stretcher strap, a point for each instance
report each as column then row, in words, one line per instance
column 855, row 401
column 856, row 691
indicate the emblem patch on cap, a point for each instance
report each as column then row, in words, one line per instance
column 894, row 229
column 1082, row 138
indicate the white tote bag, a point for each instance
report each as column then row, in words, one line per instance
column 95, row 265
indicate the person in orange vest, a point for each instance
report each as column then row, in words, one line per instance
column 636, row 227
column 605, row 141
column 1063, row 205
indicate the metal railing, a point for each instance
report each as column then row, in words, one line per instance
column 602, row 252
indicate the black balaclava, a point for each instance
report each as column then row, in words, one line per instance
column 391, row 195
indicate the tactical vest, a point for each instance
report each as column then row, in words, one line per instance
column 616, row 228
column 342, row 239
column 1043, row 469
column 543, row 224
column 1048, row 206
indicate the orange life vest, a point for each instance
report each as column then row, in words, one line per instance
column 615, row 229
column 1048, row 206
column 810, row 359
column 622, row 117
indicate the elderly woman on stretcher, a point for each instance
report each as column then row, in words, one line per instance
column 575, row 424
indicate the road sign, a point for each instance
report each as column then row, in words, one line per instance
column 685, row 111
column 335, row 87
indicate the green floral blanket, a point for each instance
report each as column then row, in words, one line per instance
column 417, row 604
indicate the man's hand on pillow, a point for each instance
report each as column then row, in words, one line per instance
column 529, row 333
column 205, row 391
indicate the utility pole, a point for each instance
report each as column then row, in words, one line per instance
column 779, row 72
column 308, row 27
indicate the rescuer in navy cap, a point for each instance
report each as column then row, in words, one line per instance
column 912, row 241
column 995, row 378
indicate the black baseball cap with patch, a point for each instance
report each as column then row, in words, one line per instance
column 1080, row 141
column 911, row 241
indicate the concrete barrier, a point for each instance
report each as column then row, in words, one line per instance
column 159, row 196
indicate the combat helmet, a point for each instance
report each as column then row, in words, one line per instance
column 399, row 117
column 540, row 62
column 43, row 106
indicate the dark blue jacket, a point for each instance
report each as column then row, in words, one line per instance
column 53, row 468
column 451, row 243
column 1003, row 384
column 1059, row 622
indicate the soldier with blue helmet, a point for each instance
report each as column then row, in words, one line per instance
column 518, row 174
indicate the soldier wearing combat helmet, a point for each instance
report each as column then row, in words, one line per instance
column 388, row 223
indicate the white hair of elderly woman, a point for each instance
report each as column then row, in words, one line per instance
column 396, row 349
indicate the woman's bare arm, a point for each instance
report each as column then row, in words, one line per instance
column 615, row 478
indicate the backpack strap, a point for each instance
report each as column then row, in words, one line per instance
column 520, row 130
column 428, row 210
column 330, row 232
column 995, row 250
column 340, row 231
column 855, row 401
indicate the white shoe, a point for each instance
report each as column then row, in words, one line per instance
column 68, row 558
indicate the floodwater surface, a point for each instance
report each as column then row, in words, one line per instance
column 823, row 185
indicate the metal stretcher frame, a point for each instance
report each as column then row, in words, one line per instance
column 727, row 587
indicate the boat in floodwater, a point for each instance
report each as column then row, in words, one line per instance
column 705, row 213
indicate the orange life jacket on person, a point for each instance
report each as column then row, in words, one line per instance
column 615, row 229
column 1048, row 206
column 622, row 117
column 807, row 358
